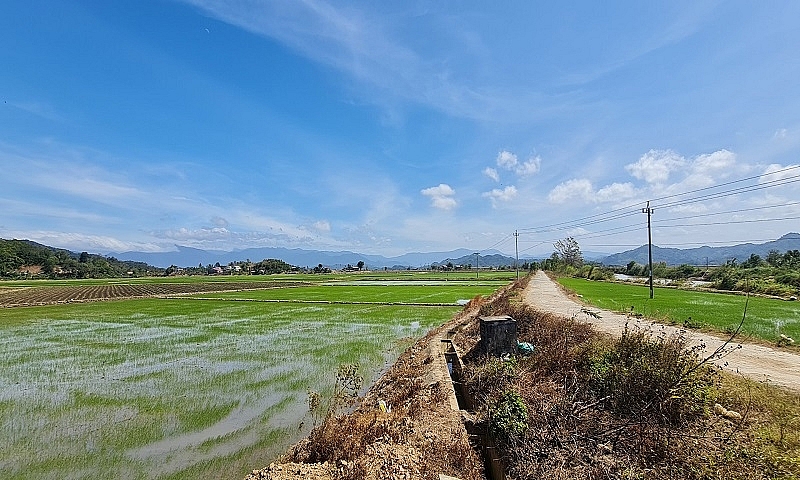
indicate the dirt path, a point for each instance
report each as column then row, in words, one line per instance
column 754, row 361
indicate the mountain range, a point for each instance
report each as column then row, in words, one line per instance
column 187, row 256
column 704, row 255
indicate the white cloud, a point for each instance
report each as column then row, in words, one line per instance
column 102, row 191
column 510, row 161
column 778, row 172
column 441, row 196
column 83, row 242
column 780, row 134
column 582, row 189
column 530, row 167
column 507, row 160
column 575, row 188
column 713, row 162
column 491, row 173
column 219, row 222
column 322, row 226
column 200, row 234
column 615, row 192
column 656, row 166
column 501, row 195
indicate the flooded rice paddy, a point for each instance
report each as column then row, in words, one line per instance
column 170, row 388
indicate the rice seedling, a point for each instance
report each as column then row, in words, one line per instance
column 168, row 388
column 767, row 318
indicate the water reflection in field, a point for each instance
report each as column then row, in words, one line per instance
column 205, row 394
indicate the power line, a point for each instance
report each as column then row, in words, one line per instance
column 580, row 225
column 727, row 242
column 498, row 243
column 633, row 209
column 727, row 183
column 735, row 191
column 741, row 210
column 733, row 222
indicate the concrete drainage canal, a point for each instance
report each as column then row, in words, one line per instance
column 494, row 467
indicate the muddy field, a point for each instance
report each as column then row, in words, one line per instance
column 50, row 295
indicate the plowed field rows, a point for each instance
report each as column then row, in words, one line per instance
column 29, row 296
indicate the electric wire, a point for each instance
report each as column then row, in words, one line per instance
column 572, row 223
column 741, row 210
column 732, row 192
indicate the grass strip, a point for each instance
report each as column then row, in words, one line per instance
column 767, row 318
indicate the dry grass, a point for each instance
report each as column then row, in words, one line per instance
column 583, row 406
column 639, row 406
column 420, row 436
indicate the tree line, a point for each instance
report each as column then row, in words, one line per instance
column 776, row 274
column 19, row 258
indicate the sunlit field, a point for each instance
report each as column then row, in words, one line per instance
column 766, row 318
column 194, row 387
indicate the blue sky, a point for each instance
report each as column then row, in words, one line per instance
column 394, row 127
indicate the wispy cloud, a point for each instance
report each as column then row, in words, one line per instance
column 777, row 171
column 322, row 226
column 39, row 109
column 367, row 47
column 491, row 173
column 77, row 241
column 89, row 188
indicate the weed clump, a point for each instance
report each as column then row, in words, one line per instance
column 655, row 376
column 508, row 415
column 638, row 406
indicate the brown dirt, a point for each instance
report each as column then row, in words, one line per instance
column 57, row 294
column 758, row 362
column 422, row 437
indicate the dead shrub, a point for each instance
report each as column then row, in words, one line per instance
column 656, row 377
column 634, row 407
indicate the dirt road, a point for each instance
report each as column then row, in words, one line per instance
column 758, row 362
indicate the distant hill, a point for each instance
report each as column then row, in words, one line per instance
column 701, row 255
column 19, row 257
column 192, row 257
column 18, row 253
column 489, row 260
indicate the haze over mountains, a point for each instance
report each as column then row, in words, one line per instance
column 186, row 256
column 703, row 255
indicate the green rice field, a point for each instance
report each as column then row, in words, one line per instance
column 766, row 318
column 190, row 388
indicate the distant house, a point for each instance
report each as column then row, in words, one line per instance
column 30, row 269
column 216, row 271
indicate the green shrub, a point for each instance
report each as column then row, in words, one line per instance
column 789, row 278
column 641, row 375
column 508, row 415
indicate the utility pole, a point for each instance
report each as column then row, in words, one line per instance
column 476, row 265
column 516, row 251
column 649, row 211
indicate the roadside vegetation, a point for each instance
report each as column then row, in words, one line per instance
column 777, row 275
column 698, row 301
column 767, row 318
column 639, row 406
